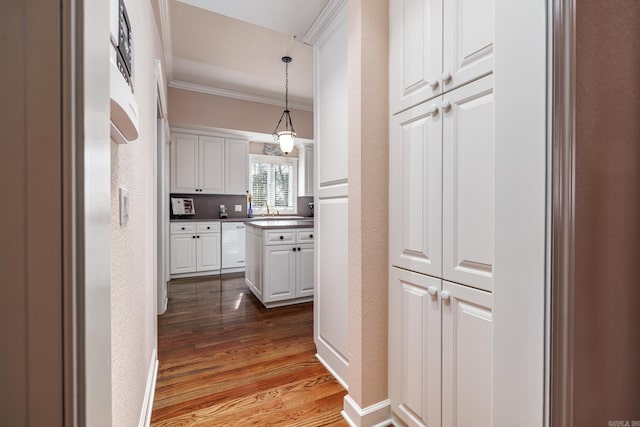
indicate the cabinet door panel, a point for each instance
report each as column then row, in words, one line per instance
column 415, row 190
column 468, row 40
column 414, row 348
column 208, row 251
column 184, row 163
column 183, row 253
column 253, row 275
column 211, row 165
column 279, row 273
column 416, row 51
column 236, row 166
column 467, row 355
column 305, row 270
column 468, row 185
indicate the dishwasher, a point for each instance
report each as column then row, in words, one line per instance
column 233, row 246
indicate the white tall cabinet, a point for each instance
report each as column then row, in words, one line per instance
column 441, row 193
column 331, row 193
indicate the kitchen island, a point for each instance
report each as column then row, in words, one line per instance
column 279, row 261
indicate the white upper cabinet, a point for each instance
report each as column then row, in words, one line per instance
column 305, row 170
column 184, row 163
column 208, row 164
column 416, row 51
column 415, row 189
column 437, row 46
column 468, row 41
column 211, row 165
column 468, row 185
column 236, row 166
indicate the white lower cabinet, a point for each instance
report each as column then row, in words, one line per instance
column 279, row 265
column 195, row 248
column 440, row 352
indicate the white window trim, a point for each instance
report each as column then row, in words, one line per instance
column 260, row 210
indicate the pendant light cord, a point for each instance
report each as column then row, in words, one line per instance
column 286, row 86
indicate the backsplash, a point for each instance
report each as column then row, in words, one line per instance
column 303, row 206
column 207, row 206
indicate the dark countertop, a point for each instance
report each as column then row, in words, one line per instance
column 254, row 219
column 282, row 223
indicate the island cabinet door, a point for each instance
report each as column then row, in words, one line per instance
column 279, row 272
column 305, row 270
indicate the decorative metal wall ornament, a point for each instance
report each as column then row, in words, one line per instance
column 286, row 136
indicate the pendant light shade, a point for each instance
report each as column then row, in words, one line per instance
column 285, row 134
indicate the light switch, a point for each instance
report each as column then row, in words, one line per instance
column 124, row 206
column 238, row 208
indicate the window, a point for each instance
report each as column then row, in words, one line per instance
column 273, row 181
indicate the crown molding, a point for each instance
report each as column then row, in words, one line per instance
column 244, row 96
column 323, row 21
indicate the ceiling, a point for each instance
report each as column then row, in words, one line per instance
column 234, row 48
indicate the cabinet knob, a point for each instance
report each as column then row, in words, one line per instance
column 198, row 237
column 299, row 249
column 294, row 249
column 208, row 228
column 433, row 109
column 446, row 104
column 432, row 290
column 433, row 83
column 182, row 228
column 446, row 76
column 193, row 237
column 445, row 295
column 281, row 237
column 311, row 236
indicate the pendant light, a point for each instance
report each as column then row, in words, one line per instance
column 287, row 135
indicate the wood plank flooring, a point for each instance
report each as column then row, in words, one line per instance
column 225, row 360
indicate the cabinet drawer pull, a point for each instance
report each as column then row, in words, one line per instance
column 281, row 237
column 311, row 236
column 208, row 228
column 240, row 226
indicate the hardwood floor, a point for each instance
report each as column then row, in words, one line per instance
column 225, row 360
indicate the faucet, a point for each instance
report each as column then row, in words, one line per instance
column 269, row 213
column 267, row 206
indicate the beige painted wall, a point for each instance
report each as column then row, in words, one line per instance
column 368, row 200
column 132, row 251
column 200, row 109
column 606, row 301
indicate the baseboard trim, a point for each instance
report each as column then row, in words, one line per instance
column 376, row 415
column 332, row 372
column 333, row 360
column 147, row 403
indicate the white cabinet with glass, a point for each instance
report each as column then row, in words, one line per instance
column 195, row 248
column 206, row 163
column 279, row 262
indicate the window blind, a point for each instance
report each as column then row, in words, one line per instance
column 273, row 181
